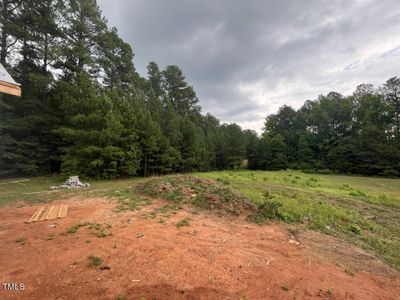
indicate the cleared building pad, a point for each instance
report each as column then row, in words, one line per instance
column 49, row 213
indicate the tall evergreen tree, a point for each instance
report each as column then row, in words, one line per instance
column 182, row 96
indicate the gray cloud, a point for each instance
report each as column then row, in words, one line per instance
column 247, row 58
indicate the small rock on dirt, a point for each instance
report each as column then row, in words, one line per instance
column 105, row 267
column 140, row 235
column 293, row 242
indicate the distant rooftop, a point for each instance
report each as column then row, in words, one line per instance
column 8, row 84
column 4, row 76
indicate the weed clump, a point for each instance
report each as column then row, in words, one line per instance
column 355, row 229
column 74, row 228
column 358, row 194
column 266, row 211
column 183, row 222
column 129, row 200
column 98, row 230
column 120, row 297
column 94, row 261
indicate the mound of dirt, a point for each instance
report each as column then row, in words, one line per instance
column 201, row 193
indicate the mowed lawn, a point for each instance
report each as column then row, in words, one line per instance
column 362, row 210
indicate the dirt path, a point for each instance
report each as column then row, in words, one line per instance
column 212, row 258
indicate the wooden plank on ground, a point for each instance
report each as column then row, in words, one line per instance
column 53, row 214
column 62, row 213
column 36, row 214
column 40, row 215
column 50, row 213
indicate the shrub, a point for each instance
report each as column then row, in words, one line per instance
column 354, row 228
column 94, row 261
column 265, row 211
column 183, row 222
column 358, row 194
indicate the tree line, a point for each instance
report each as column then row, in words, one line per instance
column 357, row 134
column 85, row 110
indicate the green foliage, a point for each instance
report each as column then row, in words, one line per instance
column 99, row 230
column 200, row 193
column 74, row 228
column 128, row 199
column 183, row 222
column 94, row 261
column 85, row 111
column 355, row 228
column 266, row 211
column 357, row 194
column 120, row 297
column 355, row 134
column 368, row 219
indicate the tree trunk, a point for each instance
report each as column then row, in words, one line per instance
column 46, row 53
column 3, row 52
column 145, row 166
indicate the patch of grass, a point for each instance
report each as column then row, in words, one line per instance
column 202, row 194
column 128, row 199
column 266, row 211
column 94, row 261
column 100, row 230
column 355, row 228
column 165, row 211
column 329, row 291
column 74, row 228
column 362, row 210
column 224, row 181
column 37, row 189
column 183, row 222
column 120, row 297
column 358, row 194
column 325, row 202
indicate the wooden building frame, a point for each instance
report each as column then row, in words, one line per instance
column 7, row 83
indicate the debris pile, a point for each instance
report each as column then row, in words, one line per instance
column 72, row 182
column 201, row 193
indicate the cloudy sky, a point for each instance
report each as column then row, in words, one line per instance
column 245, row 59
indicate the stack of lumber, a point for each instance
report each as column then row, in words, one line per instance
column 50, row 213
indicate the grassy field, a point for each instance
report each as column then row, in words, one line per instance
column 362, row 210
column 37, row 189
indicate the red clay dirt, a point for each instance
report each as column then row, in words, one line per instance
column 212, row 258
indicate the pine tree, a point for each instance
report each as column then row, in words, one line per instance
column 98, row 144
column 84, row 29
column 182, row 96
column 116, row 61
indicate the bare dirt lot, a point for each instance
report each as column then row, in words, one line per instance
column 209, row 257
